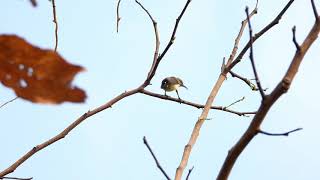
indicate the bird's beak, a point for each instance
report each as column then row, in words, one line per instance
column 184, row 86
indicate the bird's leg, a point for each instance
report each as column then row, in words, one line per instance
column 165, row 93
column 178, row 96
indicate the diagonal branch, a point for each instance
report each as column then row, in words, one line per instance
column 237, row 40
column 197, row 127
column 2, row 105
column 246, row 80
column 155, row 158
column 265, row 106
column 252, row 58
column 190, row 170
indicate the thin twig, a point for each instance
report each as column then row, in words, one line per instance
column 190, row 170
column 247, row 81
column 34, row 3
column 258, row 35
column 282, row 87
column 157, row 60
column 56, row 24
column 5, row 177
column 294, row 38
column 239, row 100
column 118, row 15
column 315, row 12
column 238, row 38
column 252, row 58
column 155, row 158
column 8, row 102
column 278, row 134
column 221, row 108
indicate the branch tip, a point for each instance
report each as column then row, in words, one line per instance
column 315, row 12
column 278, row 134
column 294, row 38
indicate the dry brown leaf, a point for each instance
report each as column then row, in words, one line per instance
column 35, row 74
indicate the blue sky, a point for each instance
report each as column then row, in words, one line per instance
column 109, row 145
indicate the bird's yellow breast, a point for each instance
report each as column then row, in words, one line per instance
column 172, row 87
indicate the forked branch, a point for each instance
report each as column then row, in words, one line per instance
column 265, row 106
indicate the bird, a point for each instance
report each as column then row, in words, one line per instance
column 172, row 84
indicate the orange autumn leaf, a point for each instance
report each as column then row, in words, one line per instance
column 35, row 74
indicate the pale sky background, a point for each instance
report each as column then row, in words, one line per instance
column 109, row 144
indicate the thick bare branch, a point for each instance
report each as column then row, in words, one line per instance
column 196, row 130
column 265, row 106
column 155, row 158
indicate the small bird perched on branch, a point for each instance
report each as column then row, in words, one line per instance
column 172, row 84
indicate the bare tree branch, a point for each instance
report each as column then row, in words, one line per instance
column 258, row 35
column 34, row 3
column 278, row 134
column 247, row 81
column 265, row 106
column 221, row 108
column 294, row 38
column 252, row 58
column 204, row 114
column 315, row 12
column 118, row 15
column 157, row 60
column 2, row 105
column 15, row 178
column 237, row 40
column 237, row 101
column 190, row 170
column 155, row 158
column 56, row 24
